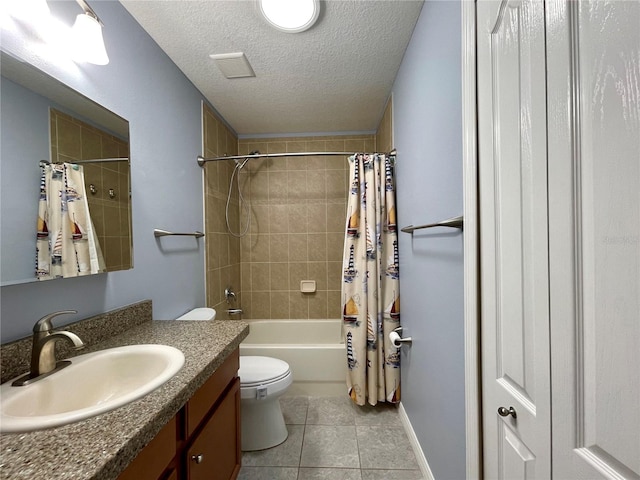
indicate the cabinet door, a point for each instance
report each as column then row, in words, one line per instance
column 513, row 242
column 215, row 452
column 594, row 175
column 199, row 405
column 152, row 461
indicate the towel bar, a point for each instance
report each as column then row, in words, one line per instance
column 455, row 222
column 163, row 233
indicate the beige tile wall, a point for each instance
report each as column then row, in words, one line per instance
column 73, row 140
column 384, row 135
column 223, row 249
column 297, row 212
column 297, row 226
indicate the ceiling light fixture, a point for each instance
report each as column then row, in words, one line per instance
column 33, row 12
column 86, row 37
column 290, row 16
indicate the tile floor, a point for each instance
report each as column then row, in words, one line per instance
column 330, row 438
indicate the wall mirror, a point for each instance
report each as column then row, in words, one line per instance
column 43, row 119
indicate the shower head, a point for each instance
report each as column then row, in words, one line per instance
column 241, row 163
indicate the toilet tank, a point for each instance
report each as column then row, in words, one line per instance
column 203, row 313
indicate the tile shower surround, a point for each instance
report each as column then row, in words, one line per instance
column 223, row 249
column 298, row 207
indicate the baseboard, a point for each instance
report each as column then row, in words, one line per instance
column 417, row 449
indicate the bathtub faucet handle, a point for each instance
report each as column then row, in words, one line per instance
column 229, row 295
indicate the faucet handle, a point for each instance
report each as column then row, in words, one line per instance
column 229, row 295
column 44, row 324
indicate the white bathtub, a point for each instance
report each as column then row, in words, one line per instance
column 314, row 350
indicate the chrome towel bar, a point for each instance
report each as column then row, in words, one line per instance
column 455, row 222
column 163, row 233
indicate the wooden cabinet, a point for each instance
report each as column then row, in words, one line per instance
column 154, row 461
column 199, row 405
column 203, row 440
column 214, row 453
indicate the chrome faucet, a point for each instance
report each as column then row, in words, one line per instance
column 229, row 295
column 43, row 359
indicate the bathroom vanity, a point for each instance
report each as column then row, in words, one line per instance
column 188, row 428
column 202, row 441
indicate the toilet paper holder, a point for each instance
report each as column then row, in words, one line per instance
column 396, row 338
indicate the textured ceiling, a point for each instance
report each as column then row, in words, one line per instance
column 335, row 77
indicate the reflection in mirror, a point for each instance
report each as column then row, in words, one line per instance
column 42, row 119
column 104, row 158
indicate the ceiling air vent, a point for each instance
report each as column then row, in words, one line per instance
column 233, row 65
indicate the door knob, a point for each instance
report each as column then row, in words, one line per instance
column 197, row 458
column 505, row 412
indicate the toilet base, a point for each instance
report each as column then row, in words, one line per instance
column 262, row 424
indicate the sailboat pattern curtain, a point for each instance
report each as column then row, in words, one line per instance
column 370, row 287
column 66, row 242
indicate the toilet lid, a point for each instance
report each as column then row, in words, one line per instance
column 260, row 370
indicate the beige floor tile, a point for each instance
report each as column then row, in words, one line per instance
column 330, row 446
column 329, row 474
column 268, row 473
column 286, row 454
column 391, row 474
column 381, row 414
column 330, row 411
column 385, row 447
column 294, row 409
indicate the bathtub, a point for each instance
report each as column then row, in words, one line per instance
column 314, row 350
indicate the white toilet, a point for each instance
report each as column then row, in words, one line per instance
column 263, row 380
column 202, row 313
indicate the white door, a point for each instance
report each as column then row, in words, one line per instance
column 594, row 191
column 512, row 168
column 562, row 316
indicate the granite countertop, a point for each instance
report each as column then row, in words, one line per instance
column 101, row 447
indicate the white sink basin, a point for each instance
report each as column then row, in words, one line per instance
column 94, row 383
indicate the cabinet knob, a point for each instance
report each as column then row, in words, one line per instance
column 197, row 458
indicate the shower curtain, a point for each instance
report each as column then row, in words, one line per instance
column 370, row 287
column 66, row 242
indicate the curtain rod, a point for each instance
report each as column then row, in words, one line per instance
column 92, row 160
column 202, row 160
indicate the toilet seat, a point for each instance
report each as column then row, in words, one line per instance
column 256, row 370
column 263, row 372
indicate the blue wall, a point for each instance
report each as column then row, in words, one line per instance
column 164, row 110
column 427, row 110
column 142, row 85
column 25, row 140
